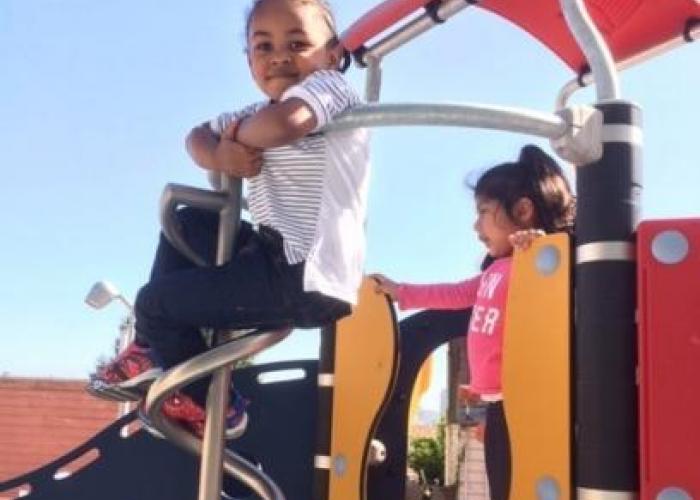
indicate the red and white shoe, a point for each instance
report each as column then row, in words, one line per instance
column 127, row 376
column 184, row 411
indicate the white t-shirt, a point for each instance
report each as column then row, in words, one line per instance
column 314, row 191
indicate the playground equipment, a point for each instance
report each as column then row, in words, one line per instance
column 578, row 438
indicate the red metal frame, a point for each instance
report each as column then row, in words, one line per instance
column 382, row 17
column 631, row 27
column 669, row 351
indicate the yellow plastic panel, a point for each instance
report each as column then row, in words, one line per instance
column 536, row 368
column 366, row 362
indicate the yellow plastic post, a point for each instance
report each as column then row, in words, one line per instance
column 366, row 363
column 537, row 370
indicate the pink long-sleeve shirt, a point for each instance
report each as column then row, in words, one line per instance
column 487, row 293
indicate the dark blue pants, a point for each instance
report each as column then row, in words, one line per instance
column 257, row 287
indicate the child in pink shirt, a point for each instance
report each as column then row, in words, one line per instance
column 515, row 203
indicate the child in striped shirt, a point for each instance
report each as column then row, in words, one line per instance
column 300, row 261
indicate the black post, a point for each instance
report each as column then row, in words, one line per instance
column 606, row 427
column 326, row 372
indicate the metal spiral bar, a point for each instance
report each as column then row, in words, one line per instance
column 215, row 362
column 199, row 367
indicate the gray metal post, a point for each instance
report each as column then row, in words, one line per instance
column 213, row 444
column 373, row 82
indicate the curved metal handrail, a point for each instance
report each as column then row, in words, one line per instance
column 690, row 34
column 175, row 195
column 511, row 119
column 594, row 47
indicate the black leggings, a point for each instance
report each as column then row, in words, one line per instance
column 497, row 451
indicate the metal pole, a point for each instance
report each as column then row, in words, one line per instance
column 373, row 83
column 213, row 443
column 594, row 48
column 126, row 337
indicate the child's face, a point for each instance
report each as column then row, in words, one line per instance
column 287, row 41
column 494, row 226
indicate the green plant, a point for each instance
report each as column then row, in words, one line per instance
column 426, row 456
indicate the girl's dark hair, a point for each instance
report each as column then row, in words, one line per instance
column 328, row 17
column 537, row 176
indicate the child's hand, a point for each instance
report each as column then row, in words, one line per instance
column 467, row 395
column 521, row 240
column 386, row 286
column 237, row 160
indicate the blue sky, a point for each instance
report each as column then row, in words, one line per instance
column 96, row 98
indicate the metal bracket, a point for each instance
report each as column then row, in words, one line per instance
column 582, row 143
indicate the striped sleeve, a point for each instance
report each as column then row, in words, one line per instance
column 326, row 92
column 439, row 296
column 219, row 124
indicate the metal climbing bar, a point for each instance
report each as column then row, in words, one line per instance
column 216, row 362
column 194, row 369
column 454, row 115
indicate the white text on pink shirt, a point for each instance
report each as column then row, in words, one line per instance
column 484, row 318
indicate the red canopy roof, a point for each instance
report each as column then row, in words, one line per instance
column 630, row 27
